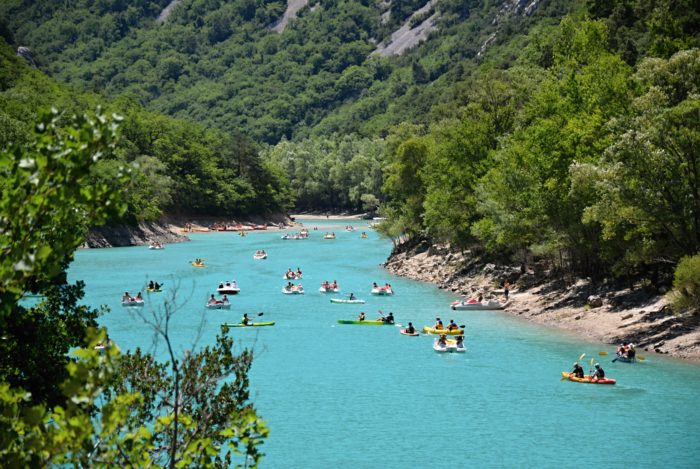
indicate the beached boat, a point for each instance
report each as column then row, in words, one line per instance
column 477, row 305
column 587, row 379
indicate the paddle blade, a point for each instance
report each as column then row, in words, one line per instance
column 602, row 354
column 260, row 314
column 581, row 357
column 641, row 357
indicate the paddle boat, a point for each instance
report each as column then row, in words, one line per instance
column 354, row 301
column 440, row 348
column 293, row 290
column 432, row 330
column 291, row 276
column 260, row 255
column 218, row 305
column 132, row 302
column 228, row 288
column 386, row 290
column 329, row 236
column 156, row 246
column 586, row 379
column 456, row 346
column 329, row 288
column 477, row 305
column 252, row 324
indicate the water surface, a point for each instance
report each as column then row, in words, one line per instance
column 350, row 396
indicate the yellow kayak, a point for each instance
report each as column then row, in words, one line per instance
column 195, row 264
column 432, row 330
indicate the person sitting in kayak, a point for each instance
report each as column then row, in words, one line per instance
column 452, row 326
column 438, row 324
column 361, row 317
column 151, row 285
column 244, row 320
column 156, row 286
column 622, row 350
column 389, row 319
column 598, row 373
column 410, row 329
column 352, row 296
column 577, row 371
column 631, row 352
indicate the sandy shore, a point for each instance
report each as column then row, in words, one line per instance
column 306, row 216
column 599, row 313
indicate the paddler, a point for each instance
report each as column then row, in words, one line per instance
column 598, row 373
column 577, row 371
column 361, row 317
column 438, row 324
column 452, row 326
column 244, row 320
column 410, row 329
column 389, row 319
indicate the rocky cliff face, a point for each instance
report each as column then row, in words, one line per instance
column 123, row 235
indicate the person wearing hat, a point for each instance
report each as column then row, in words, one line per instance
column 577, row 372
column 598, row 373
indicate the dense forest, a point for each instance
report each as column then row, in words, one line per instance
column 566, row 132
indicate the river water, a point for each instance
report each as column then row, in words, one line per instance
column 358, row 396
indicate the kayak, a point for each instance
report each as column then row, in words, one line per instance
column 412, row 334
column 218, row 305
column 432, row 330
column 363, row 323
column 153, row 290
column 133, row 303
column 254, row 324
column 346, row 301
column 477, row 305
column 587, row 379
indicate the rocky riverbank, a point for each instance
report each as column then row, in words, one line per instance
column 170, row 230
column 601, row 312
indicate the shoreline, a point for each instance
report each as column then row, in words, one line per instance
column 599, row 312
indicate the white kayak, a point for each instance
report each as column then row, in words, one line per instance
column 477, row 305
column 218, row 305
column 347, row 301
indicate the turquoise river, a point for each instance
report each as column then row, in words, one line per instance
column 356, row 396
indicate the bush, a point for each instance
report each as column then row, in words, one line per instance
column 686, row 283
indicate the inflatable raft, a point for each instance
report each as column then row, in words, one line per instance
column 432, row 330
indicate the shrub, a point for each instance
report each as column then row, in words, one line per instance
column 686, row 283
